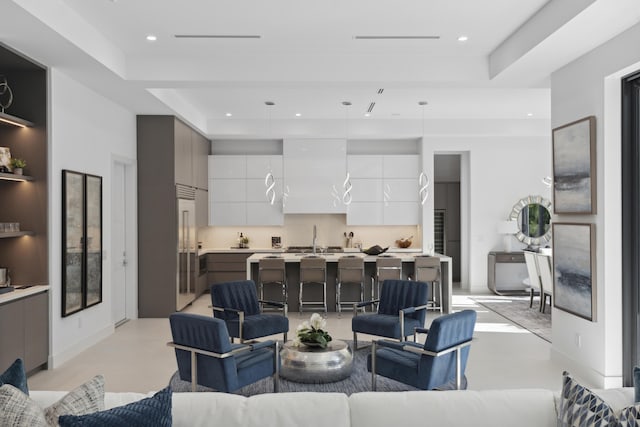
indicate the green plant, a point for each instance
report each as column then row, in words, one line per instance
column 312, row 332
column 18, row 163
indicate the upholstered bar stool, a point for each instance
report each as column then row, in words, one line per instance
column 427, row 269
column 350, row 271
column 387, row 268
column 313, row 271
column 271, row 271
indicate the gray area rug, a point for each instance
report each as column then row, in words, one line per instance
column 516, row 309
column 359, row 381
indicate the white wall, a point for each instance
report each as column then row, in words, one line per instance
column 497, row 171
column 86, row 130
column 591, row 86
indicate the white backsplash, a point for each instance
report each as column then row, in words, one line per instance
column 298, row 231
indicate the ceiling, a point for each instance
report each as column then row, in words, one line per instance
column 308, row 57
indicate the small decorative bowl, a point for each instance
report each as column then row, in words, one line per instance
column 403, row 243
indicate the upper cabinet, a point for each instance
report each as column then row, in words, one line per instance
column 245, row 190
column 385, row 189
column 191, row 151
column 314, row 175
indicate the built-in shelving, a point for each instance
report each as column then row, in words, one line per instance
column 14, row 177
column 15, row 121
column 8, row 234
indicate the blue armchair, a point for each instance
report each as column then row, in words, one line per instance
column 237, row 304
column 205, row 355
column 440, row 363
column 401, row 308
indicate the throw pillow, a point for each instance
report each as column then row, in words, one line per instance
column 630, row 417
column 580, row 407
column 86, row 399
column 153, row 411
column 18, row 409
column 16, row 376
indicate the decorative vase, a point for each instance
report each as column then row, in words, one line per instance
column 17, row 171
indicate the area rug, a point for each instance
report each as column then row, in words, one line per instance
column 516, row 309
column 360, row 380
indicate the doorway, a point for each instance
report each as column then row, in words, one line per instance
column 123, row 284
column 447, row 219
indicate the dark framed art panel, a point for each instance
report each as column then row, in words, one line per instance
column 81, row 241
column 574, row 269
column 574, row 167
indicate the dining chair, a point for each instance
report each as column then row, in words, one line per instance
column 533, row 281
column 546, row 280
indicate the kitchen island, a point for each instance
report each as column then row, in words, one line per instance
column 350, row 293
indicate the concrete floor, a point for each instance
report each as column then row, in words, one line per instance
column 136, row 358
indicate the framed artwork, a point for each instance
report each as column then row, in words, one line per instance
column 5, row 159
column 81, row 241
column 574, row 168
column 574, row 284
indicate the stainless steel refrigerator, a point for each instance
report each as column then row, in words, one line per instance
column 187, row 253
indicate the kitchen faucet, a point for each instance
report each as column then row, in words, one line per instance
column 314, row 238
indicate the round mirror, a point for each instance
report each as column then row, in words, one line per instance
column 533, row 217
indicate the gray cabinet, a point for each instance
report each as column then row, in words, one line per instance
column 202, row 208
column 165, row 159
column 447, row 203
column 24, row 331
column 200, row 156
column 225, row 267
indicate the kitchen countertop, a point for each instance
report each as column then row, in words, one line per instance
column 205, row 251
column 293, row 257
column 22, row 293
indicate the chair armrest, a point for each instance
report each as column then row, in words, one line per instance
column 410, row 310
column 365, row 303
column 392, row 344
column 194, row 350
column 272, row 303
column 226, row 309
column 421, row 330
column 447, row 350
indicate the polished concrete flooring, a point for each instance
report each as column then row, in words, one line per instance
column 136, row 358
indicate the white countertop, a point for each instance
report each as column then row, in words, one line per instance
column 289, row 257
column 22, row 293
column 205, row 251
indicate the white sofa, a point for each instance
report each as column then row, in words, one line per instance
column 527, row 407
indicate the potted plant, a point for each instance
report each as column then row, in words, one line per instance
column 18, row 165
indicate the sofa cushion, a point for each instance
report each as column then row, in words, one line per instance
column 153, row 411
column 17, row 408
column 522, row 408
column 16, row 376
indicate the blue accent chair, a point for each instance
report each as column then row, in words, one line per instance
column 238, row 305
column 206, row 356
column 439, row 364
column 401, row 308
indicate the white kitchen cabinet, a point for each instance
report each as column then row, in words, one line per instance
column 385, row 190
column 401, row 166
column 228, row 190
column 237, row 190
column 314, row 173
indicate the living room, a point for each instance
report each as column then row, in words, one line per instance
column 568, row 59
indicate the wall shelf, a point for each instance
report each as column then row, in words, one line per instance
column 15, row 121
column 15, row 177
column 9, row 234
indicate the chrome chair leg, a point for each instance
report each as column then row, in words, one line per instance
column 373, row 366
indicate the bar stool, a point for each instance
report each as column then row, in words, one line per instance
column 313, row 270
column 350, row 270
column 427, row 269
column 387, row 268
column 271, row 271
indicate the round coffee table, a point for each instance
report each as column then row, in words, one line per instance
column 316, row 365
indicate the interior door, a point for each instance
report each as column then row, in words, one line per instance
column 118, row 242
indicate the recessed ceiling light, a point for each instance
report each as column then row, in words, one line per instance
column 298, row 114
column 228, row 114
column 529, row 114
column 367, row 114
column 151, row 38
column 463, row 38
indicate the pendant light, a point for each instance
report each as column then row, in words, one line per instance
column 269, row 180
column 423, row 179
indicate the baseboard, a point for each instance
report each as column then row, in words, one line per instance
column 55, row 360
column 585, row 374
